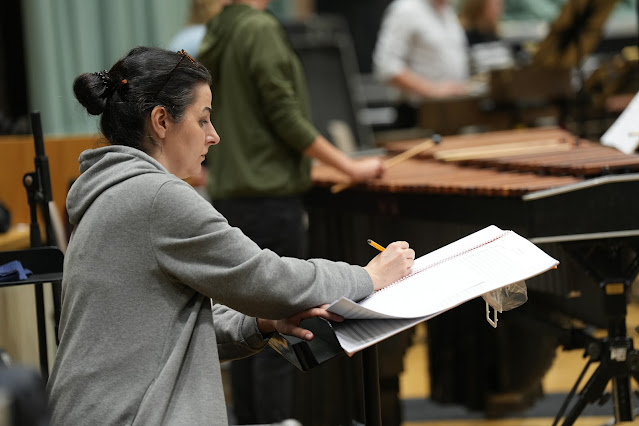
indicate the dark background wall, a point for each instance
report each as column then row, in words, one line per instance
column 13, row 86
column 363, row 17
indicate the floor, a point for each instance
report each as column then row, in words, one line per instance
column 418, row 410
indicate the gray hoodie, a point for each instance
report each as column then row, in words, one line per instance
column 140, row 339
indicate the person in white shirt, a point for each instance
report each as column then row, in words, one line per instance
column 422, row 50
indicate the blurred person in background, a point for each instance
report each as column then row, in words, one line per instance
column 480, row 19
column 421, row 50
column 487, row 51
column 190, row 37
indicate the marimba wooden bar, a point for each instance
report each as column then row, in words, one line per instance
column 433, row 172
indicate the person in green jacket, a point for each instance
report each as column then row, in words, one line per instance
column 261, row 169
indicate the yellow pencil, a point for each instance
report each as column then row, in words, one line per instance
column 377, row 246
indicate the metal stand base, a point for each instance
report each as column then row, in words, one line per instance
column 617, row 357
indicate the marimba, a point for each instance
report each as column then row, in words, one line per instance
column 574, row 198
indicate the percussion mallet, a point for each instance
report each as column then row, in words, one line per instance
column 391, row 162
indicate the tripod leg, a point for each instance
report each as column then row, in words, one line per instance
column 633, row 363
column 571, row 394
column 622, row 398
column 589, row 394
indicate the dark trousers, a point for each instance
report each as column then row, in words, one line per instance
column 262, row 385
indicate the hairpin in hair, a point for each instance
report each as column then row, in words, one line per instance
column 104, row 76
column 109, row 86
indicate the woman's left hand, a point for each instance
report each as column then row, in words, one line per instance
column 291, row 325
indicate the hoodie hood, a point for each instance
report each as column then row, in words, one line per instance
column 218, row 32
column 103, row 168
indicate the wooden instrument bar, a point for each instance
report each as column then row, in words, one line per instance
column 433, row 177
column 461, row 165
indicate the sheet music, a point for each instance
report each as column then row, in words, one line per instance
column 624, row 132
column 445, row 278
column 355, row 335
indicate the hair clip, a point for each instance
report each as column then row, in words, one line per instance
column 104, row 76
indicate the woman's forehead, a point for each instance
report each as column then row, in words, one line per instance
column 202, row 96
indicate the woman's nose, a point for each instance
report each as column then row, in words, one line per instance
column 213, row 137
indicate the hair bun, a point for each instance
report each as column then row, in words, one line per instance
column 90, row 90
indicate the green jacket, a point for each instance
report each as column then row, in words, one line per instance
column 260, row 107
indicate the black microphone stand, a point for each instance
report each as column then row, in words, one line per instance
column 45, row 261
column 38, row 186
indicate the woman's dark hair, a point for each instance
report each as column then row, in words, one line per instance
column 126, row 94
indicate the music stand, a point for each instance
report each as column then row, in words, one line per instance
column 44, row 261
column 324, row 347
column 618, row 359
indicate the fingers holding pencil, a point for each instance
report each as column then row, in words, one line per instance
column 391, row 264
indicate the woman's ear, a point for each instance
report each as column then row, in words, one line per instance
column 159, row 122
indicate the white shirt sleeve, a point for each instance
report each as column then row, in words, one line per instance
column 393, row 41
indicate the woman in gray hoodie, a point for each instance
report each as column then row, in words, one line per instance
column 157, row 287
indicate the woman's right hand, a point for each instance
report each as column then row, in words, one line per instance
column 391, row 264
column 361, row 170
column 447, row 89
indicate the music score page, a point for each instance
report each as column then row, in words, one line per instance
column 467, row 268
column 624, row 132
